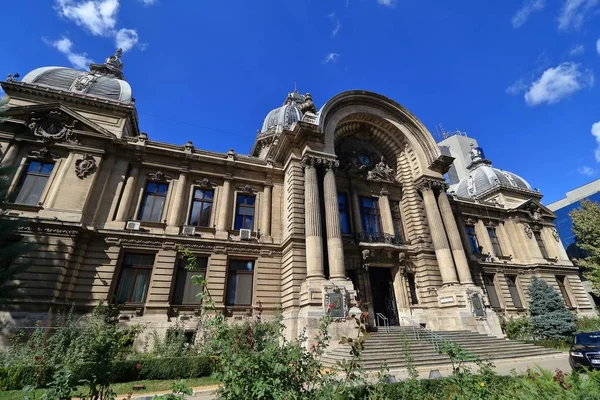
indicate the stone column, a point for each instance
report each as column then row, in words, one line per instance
column 458, row 251
column 387, row 223
column 507, row 248
column 265, row 218
column 224, row 202
column 10, row 155
column 335, row 246
column 57, row 184
column 177, row 201
column 356, row 220
column 438, row 233
column 128, row 193
column 312, row 220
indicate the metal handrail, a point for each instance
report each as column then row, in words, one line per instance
column 385, row 320
column 420, row 332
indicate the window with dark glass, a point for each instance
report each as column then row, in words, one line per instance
column 344, row 213
column 244, row 211
column 134, row 278
column 370, row 215
column 563, row 290
column 201, row 207
column 473, row 243
column 511, row 281
column 494, row 239
column 185, row 291
column 239, row 282
column 540, row 243
column 412, row 288
column 153, row 202
column 396, row 218
column 490, row 287
column 33, row 182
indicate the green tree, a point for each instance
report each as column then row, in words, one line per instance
column 586, row 227
column 550, row 319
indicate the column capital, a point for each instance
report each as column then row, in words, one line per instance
column 314, row 161
column 426, row 183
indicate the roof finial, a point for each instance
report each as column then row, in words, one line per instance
column 113, row 66
column 295, row 87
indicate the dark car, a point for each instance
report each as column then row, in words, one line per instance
column 585, row 351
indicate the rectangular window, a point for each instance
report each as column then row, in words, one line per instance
column 412, row 288
column 33, row 182
column 563, row 290
column 511, row 281
column 244, row 211
column 396, row 218
column 473, row 243
column 153, row 202
column 371, row 217
column 540, row 243
column 495, row 243
column 185, row 291
column 135, row 278
column 239, row 283
column 201, row 207
column 344, row 213
column 488, row 281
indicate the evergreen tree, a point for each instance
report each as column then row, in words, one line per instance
column 550, row 319
column 586, row 227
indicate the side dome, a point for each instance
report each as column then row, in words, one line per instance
column 293, row 109
column 102, row 80
column 483, row 178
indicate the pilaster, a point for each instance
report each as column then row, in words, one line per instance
column 128, row 193
column 335, row 246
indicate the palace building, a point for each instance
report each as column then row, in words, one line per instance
column 340, row 208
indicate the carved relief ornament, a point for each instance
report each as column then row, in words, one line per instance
column 43, row 154
column 430, row 184
column 53, row 127
column 246, row 189
column 555, row 234
column 85, row 166
column 528, row 230
column 205, row 183
column 310, row 161
column 159, row 176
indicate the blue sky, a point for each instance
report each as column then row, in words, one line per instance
column 520, row 76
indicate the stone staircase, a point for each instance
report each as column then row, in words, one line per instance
column 389, row 347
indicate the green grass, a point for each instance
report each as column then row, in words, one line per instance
column 124, row 388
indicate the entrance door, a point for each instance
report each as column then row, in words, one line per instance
column 382, row 292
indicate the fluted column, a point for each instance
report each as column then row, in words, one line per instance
column 265, row 218
column 224, row 202
column 130, row 184
column 335, row 246
column 10, row 155
column 176, row 203
column 456, row 245
column 312, row 220
column 438, row 233
column 356, row 212
column 58, row 181
column 387, row 222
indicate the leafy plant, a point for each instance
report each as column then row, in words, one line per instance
column 586, row 227
column 516, row 328
column 179, row 391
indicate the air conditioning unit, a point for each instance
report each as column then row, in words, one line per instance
column 188, row 230
column 245, row 234
column 132, row 226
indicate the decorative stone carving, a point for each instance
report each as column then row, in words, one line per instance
column 159, row 176
column 246, row 189
column 83, row 82
column 430, row 184
column 188, row 148
column 335, row 301
column 381, row 172
column 231, row 155
column 53, row 127
column 12, row 78
column 528, row 230
column 142, row 139
column 308, row 105
column 309, row 160
column 205, row 183
column 469, row 222
column 43, row 154
column 85, row 166
column 555, row 235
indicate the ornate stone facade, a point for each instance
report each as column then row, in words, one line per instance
column 347, row 203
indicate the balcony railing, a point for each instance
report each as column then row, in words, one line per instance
column 379, row 237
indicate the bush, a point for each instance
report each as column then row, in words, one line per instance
column 550, row 319
column 516, row 328
column 588, row 324
column 18, row 376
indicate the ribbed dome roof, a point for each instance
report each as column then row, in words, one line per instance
column 103, row 80
column 483, row 177
column 289, row 113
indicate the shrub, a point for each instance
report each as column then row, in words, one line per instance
column 550, row 319
column 588, row 324
column 516, row 328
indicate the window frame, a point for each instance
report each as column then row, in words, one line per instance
column 22, row 175
column 146, row 195
column 346, row 212
column 376, row 214
column 180, row 268
column 493, row 235
column 539, row 239
column 201, row 201
column 564, row 290
column 514, row 283
column 123, row 266
column 236, row 272
column 472, row 239
column 237, row 207
column 493, row 285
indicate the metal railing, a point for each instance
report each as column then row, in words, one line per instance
column 386, row 322
column 421, row 333
column 379, row 237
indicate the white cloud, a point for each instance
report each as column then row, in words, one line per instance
column 337, row 25
column 596, row 133
column 598, row 46
column 529, row 7
column 99, row 17
column 574, row 13
column 558, row 83
column 64, row 45
column 387, row 3
column 577, row 50
column 148, row 2
column 126, row 38
column 587, row 171
column 518, row 87
column 331, row 58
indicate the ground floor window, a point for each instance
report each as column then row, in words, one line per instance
column 563, row 290
column 511, row 281
column 412, row 288
column 134, row 278
column 490, row 287
column 185, row 291
column 240, row 279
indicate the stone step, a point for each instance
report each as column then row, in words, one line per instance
column 482, row 353
column 430, row 349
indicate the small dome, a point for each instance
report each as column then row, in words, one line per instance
column 289, row 113
column 483, row 178
column 102, row 80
